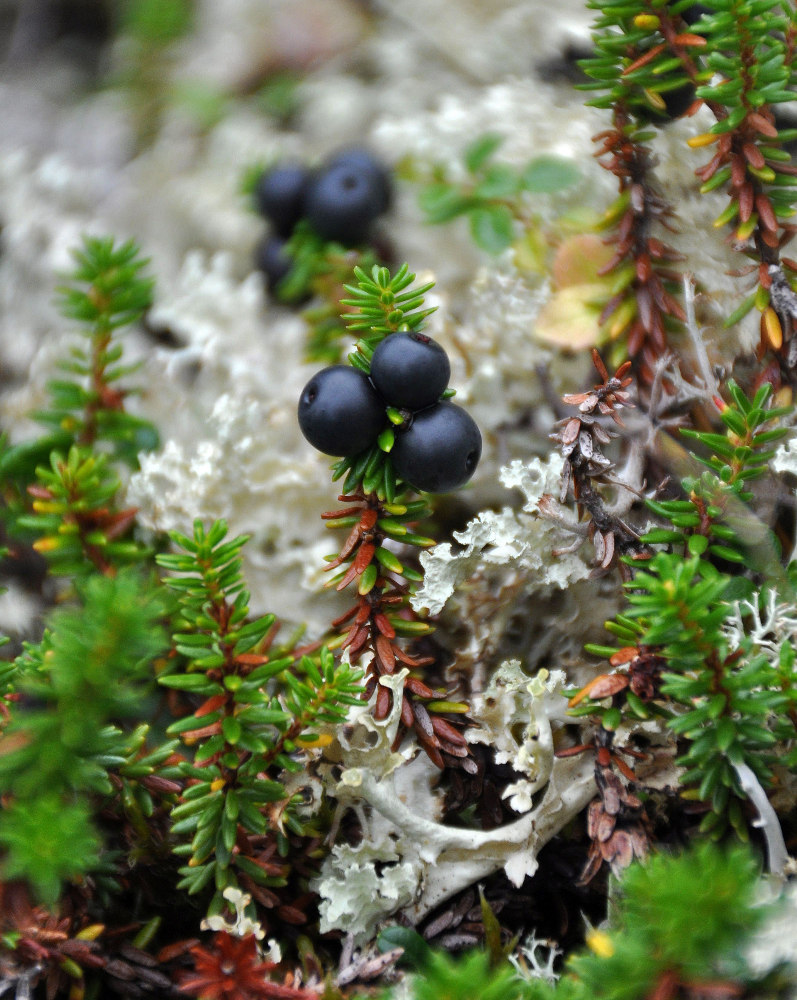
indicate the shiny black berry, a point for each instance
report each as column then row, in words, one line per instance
column 410, row 370
column 365, row 162
column 279, row 196
column 273, row 259
column 342, row 204
column 340, row 412
column 440, row 449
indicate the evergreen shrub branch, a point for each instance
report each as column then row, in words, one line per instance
column 320, row 270
column 66, row 738
column 256, row 717
column 652, row 60
column 106, row 291
column 729, row 705
column 76, row 516
column 61, row 490
column 380, row 510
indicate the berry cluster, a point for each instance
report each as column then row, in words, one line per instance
column 340, row 201
column 435, row 446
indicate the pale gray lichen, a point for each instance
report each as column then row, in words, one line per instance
column 421, row 860
column 361, row 886
column 243, row 442
column 509, row 108
column 514, row 715
column 785, row 461
column 448, row 859
column 785, row 457
column 536, row 958
column 480, row 38
column 775, row 943
column 765, row 620
column 519, row 540
column 243, row 925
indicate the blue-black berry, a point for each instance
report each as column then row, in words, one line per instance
column 410, row 370
column 342, row 204
column 273, row 259
column 340, row 412
column 679, row 100
column 279, row 195
column 693, row 14
column 365, row 162
column 440, row 449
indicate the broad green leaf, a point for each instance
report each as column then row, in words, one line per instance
column 492, row 228
column 548, row 174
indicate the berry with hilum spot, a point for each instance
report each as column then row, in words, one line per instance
column 439, row 450
column 342, row 203
column 340, row 412
column 279, row 196
column 410, row 370
column 366, row 163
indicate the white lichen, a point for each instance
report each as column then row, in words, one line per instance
column 519, row 540
column 243, row 925
column 514, row 715
column 775, row 943
column 421, row 861
column 536, row 958
column 361, row 886
column 448, row 859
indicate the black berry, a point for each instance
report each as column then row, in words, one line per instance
column 340, row 412
column 410, row 370
column 693, row 14
column 440, row 449
column 678, row 100
column 365, row 162
column 342, row 204
column 279, row 195
column 273, row 259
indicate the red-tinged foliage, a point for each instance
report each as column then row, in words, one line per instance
column 232, row 969
column 371, row 629
column 585, row 466
column 646, row 306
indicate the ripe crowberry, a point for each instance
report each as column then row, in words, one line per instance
column 272, row 258
column 679, row 100
column 410, row 370
column 340, row 412
column 279, row 195
column 693, row 14
column 440, row 449
column 342, row 203
column 365, row 162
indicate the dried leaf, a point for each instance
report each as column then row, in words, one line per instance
column 384, row 651
column 570, row 319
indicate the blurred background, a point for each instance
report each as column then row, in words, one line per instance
column 143, row 119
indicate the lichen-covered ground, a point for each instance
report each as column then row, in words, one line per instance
column 153, row 145
column 118, row 135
